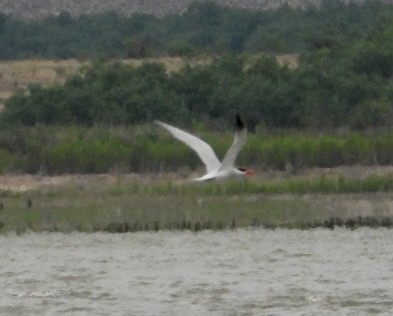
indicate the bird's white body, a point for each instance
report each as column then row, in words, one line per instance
column 220, row 174
column 215, row 169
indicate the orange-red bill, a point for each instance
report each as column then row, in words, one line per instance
column 249, row 172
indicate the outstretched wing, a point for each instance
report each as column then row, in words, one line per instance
column 238, row 142
column 203, row 149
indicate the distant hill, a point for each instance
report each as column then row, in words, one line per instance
column 38, row 9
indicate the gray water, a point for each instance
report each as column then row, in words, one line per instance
column 242, row 272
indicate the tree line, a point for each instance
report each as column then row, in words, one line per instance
column 348, row 85
column 204, row 27
column 343, row 77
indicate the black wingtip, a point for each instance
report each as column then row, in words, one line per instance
column 239, row 122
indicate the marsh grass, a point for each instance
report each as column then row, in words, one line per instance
column 124, row 206
column 146, row 148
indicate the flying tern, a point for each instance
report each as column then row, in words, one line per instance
column 214, row 168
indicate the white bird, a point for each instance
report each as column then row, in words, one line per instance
column 214, row 168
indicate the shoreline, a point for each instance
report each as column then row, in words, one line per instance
column 140, row 202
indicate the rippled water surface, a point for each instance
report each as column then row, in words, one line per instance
column 242, row 272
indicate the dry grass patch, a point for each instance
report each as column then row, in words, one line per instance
column 289, row 60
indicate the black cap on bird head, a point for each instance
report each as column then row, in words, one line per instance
column 246, row 171
column 239, row 122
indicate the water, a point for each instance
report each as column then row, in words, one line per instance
column 242, row 272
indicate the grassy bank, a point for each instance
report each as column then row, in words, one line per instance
column 120, row 204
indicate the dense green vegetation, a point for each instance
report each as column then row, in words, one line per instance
column 349, row 86
column 57, row 150
column 343, row 81
column 204, row 27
